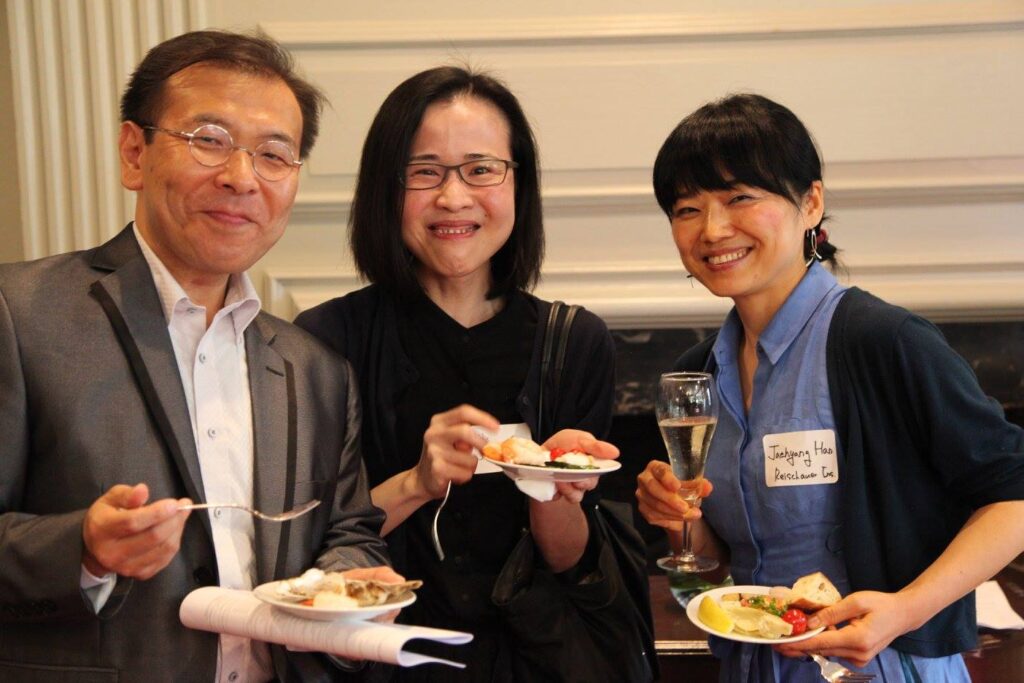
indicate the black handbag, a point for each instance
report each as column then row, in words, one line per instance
column 592, row 629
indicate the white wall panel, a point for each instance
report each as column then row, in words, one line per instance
column 71, row 59
column 912, row 102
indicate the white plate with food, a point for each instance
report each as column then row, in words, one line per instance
column 523, row 459
column 759, row 629
column 555, row 473
column 327, row 596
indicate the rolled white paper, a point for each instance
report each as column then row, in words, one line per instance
column 240, row 613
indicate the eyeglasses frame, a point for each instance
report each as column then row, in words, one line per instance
column 509, row 165
column 295, row 163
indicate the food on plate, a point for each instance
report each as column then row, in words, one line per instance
column 752, row 620
column 796, row 618
column 517, row 450
column 780, row 613
column 814, row 592
column 520, row 451
column 712, row 614
column 332, row 600
column 331, row 590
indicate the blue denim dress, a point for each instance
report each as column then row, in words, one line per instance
column 781, row 533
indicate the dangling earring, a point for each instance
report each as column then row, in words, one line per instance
column 812, row 242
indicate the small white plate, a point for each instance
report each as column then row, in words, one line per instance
column 267, row 592
column 555, row 473
column 716, row 593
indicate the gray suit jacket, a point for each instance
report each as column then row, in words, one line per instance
column 90, row 396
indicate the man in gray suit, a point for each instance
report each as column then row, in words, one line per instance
column 141, row 375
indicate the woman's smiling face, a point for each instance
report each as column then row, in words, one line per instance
column 745, row 242
column 453, row 230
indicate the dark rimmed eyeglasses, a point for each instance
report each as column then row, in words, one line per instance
column 485, row 172
column 211, row 146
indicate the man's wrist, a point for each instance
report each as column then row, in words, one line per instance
column 93, row 566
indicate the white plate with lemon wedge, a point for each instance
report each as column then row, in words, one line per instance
column 716, row 621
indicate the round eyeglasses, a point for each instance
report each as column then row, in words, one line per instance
column 476, row 173
column 212, row 146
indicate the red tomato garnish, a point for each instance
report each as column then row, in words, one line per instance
column 797, row 618
column 557, row 453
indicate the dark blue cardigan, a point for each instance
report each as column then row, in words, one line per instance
column 922, row 448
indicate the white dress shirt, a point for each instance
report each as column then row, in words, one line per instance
column 214, row 375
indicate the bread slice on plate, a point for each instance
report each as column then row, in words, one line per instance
column 813, row 592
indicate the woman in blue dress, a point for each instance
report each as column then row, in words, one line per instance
column 852, row 439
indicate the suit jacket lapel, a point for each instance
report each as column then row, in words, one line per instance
column 130, row 300
column 272, row 385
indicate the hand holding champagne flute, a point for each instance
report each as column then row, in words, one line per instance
column 687, row 412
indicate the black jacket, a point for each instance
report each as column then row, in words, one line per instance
column 562, row 630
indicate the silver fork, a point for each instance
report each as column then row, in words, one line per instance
column 437, row 515
column 433, row 530
column 833, row 672
column 282, row 517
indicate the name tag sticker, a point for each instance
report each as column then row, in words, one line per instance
column 485, row 466
column 801, row 458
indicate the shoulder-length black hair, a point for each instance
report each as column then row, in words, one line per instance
column 376, row 217
column 742, row 139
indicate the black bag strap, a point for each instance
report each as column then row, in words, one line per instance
column 556, row 341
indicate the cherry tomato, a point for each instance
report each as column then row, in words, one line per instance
column 557, row 453
column 797, row 618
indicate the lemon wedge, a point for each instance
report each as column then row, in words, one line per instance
column 712, row 614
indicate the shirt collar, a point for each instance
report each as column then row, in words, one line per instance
column 787, row 323
column 728, row 342
column 241, row 302
column 789, row 320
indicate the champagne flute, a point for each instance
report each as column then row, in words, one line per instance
column 687, row 412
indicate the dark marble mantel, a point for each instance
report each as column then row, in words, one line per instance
column 994, row 349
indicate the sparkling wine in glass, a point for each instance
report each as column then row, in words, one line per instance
column 687, row 412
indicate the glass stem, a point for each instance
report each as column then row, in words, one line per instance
column 687, row 550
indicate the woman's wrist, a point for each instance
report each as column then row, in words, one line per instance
column 414, row 488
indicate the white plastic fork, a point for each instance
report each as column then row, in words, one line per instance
column 281, row 517
column 834, row 672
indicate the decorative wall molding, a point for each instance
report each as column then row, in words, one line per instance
column 70, row 61
column 71, row 58
column 658, row 295
column 754, row 24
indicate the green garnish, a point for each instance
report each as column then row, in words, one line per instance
column 568, row 466
column 766, row 603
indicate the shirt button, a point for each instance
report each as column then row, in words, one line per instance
column 217, row 512
column 233, row 676
column 192, row 310
column 212, row 433
column 202, row 358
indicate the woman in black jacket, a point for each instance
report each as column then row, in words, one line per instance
column 906, row 471
column 446, row 225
